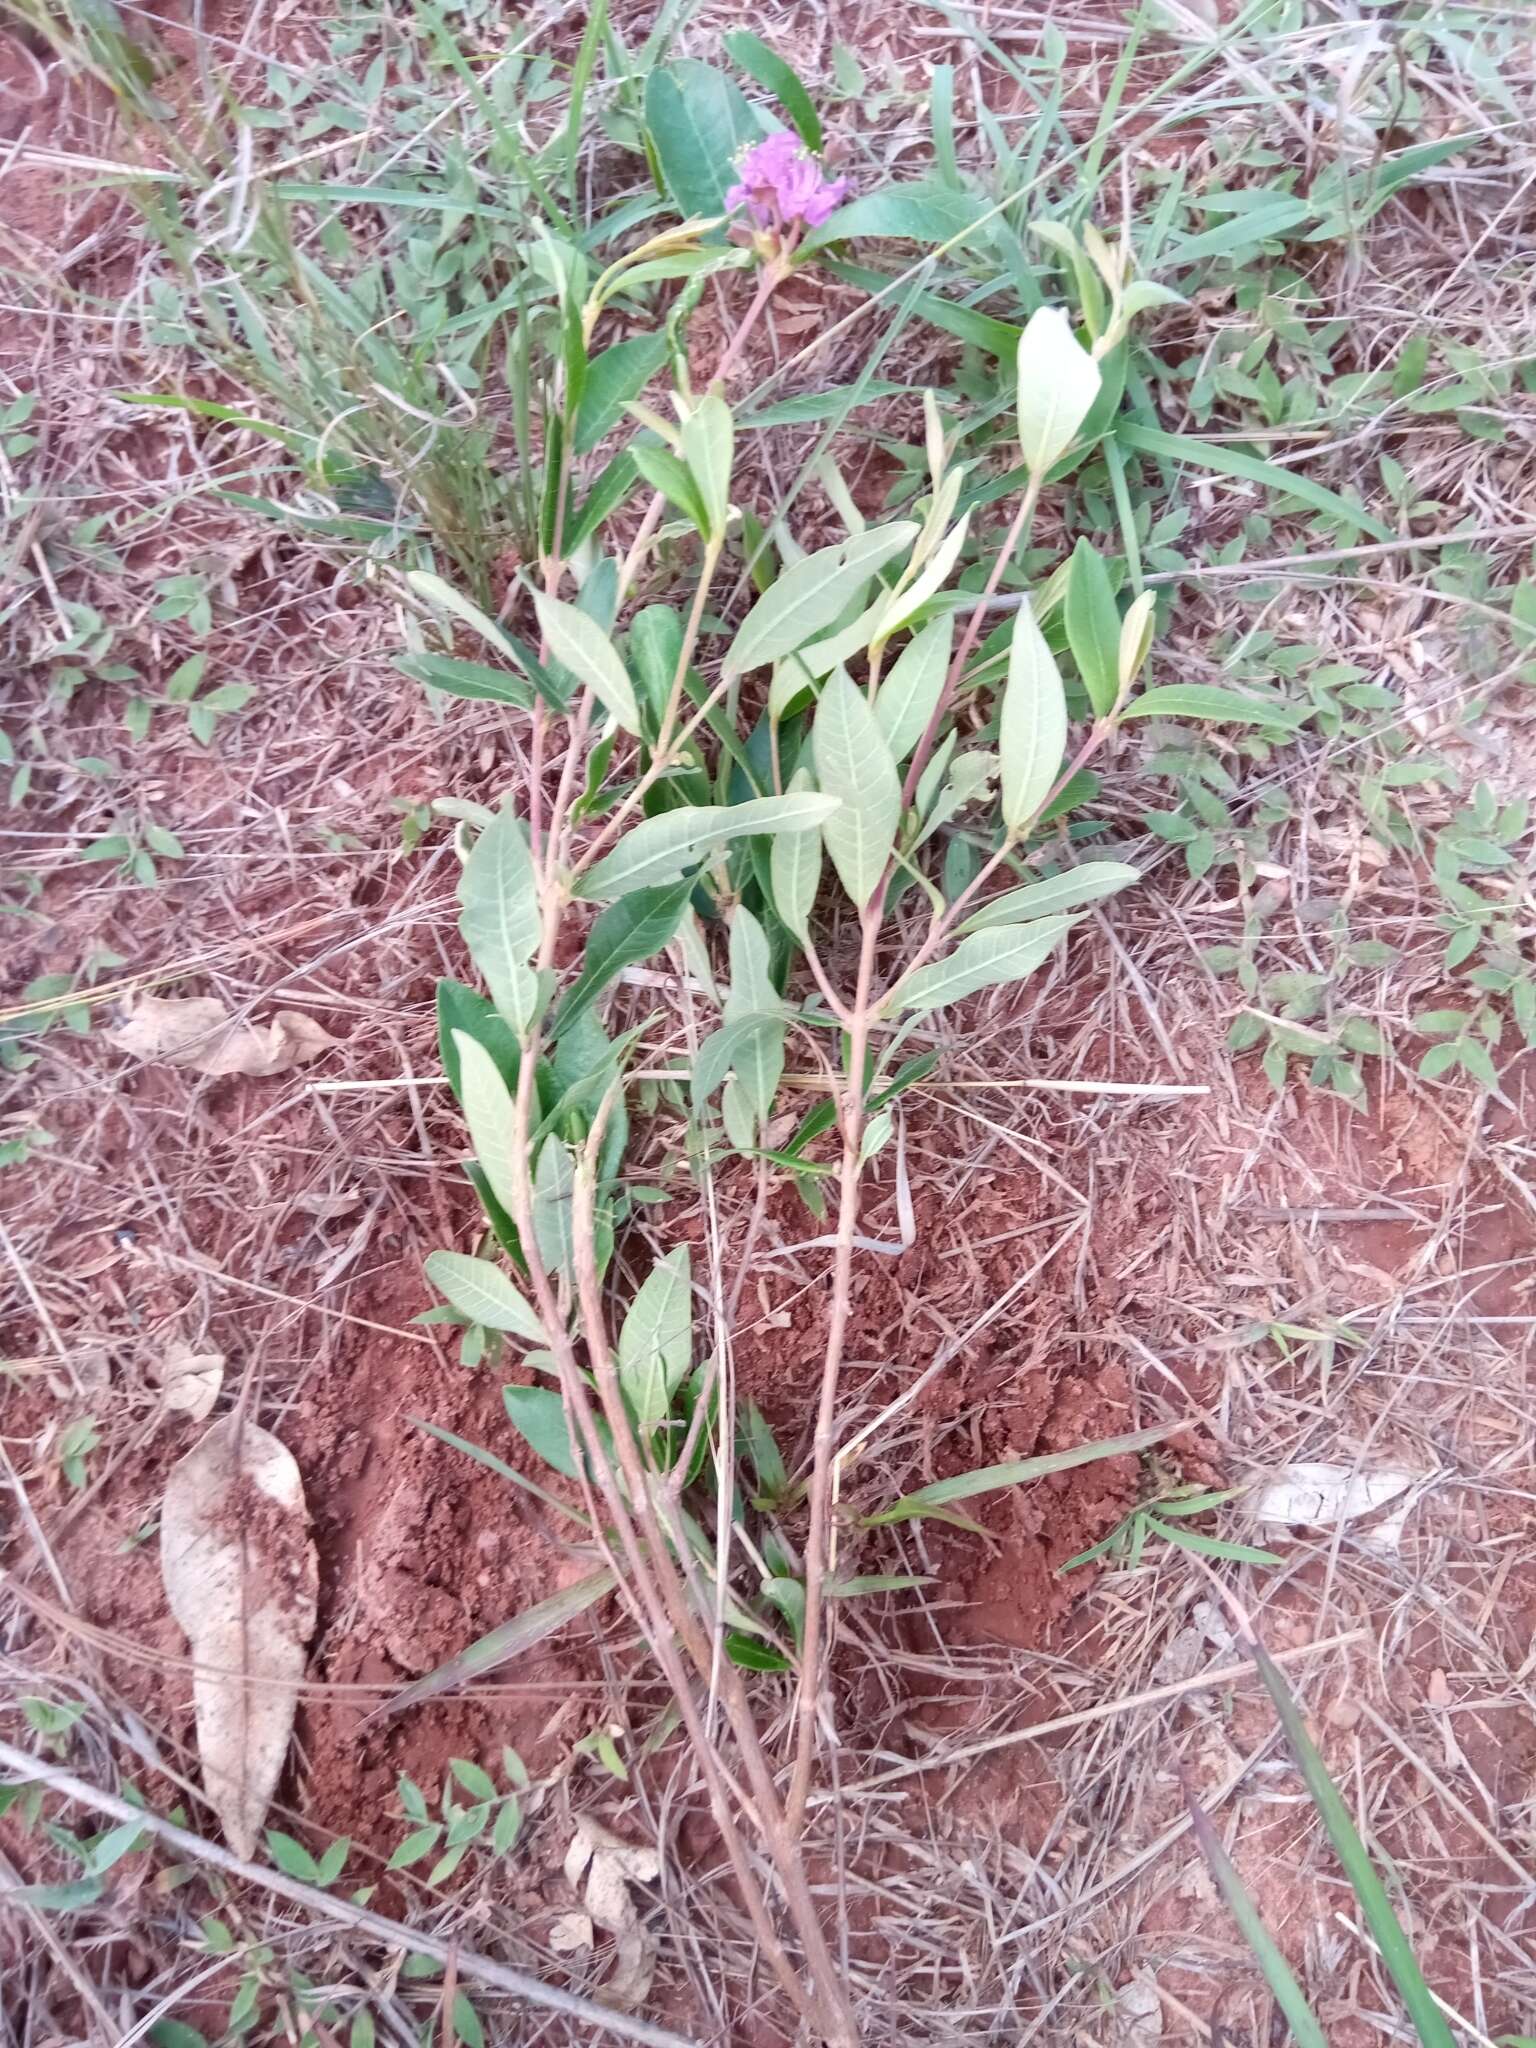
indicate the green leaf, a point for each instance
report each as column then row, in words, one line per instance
column 916, row 212
column 56, row 1898
column 173, row 2033
column 460, row 1008
column 966, row 1485
column 480, row 1290
column 1396, row 1950
column 1057, row 383
column 1032, row 730
column 525, row 1631
column 554, row 1187
column 499, row 917
column 628, row 931
column 509, row 1823
column 768, row 68
column 751, row 984
column 759, row 1064
column 1225, row 461
column 1093, row 628
column 609, row 490
column 751, row 1654
column 999, row 338
column 698, row 120
column 810, row 598
column 656, row 1340
column 292, row 1856
column 669, row 474
column 981, row 961
column 1210, row 1546
column 874, row 1582
column 854, row 765
column 1244, row 233
column 757, row 1441
column 444, row 598
column 733, row 1045
column 794, row 869
column 707, row 439
column 580, row 645
column 614, row 377
column 1304, row 2029
column 473, row 679
column 1220, row 707
column 1056, row 895
column 663, row 848
column 478, row 1783
column 914, row 685
column 488, row 1111
column 538, row 1415
column 654, row 650
column 466, row 2022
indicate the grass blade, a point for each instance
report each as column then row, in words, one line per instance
column 966, row 1485
column 514, row 1637
column 1225, row 461
column 1396, row 1952
column 1286, row 1992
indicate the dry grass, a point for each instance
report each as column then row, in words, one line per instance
column 985, row 1884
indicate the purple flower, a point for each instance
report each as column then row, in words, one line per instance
column 781, row 185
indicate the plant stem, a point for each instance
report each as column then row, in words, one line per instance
column 851, row 1121
column 769, row 279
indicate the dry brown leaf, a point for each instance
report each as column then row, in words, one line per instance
column 241, row 1578
column 189, row 1380
column 198, row 1032
column 569, row 1933
column 611, row 1865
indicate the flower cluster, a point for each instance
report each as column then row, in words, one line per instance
column 781, row 185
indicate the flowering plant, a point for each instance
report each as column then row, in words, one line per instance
column 782, row 186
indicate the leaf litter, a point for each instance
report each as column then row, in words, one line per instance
column 189, row 1379
column 241, row 1577
column 611, row 1866
column 198, row 1032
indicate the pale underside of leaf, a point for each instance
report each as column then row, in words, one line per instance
column 853, row 764
column 482, row 1291
column 662, row 848
column 499, row 916
column 984, row 960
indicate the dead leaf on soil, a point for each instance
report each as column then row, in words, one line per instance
column 611, row 1865
column 241, row 1578
column 198, row 1032
column 189, row 1380
column 1316, row 1495
column 570, row 1933
column 1138, row 2014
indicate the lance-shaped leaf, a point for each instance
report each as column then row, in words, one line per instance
column 479, row 1289
column 580, row 645
column 656, row 1341
column 984, row 960
column 1032, row 732
column 241, row 1578
column 853, row 764
column 499, row 917
column 1058, row 382
column 664, row 848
